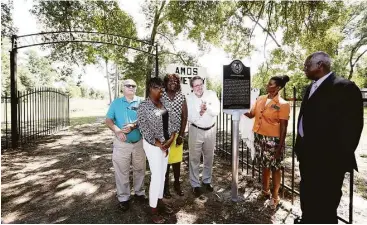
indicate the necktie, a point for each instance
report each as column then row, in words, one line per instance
column 300, row 127
column 313, row 89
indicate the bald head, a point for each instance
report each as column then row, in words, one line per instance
column 317, row 65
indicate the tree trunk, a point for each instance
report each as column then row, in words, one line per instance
column 355, row 62
column 350, row 73
column 108, row 81
column 149, row 66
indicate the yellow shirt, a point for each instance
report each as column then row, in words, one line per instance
column 267, row 117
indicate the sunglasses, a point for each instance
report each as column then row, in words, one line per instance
column 130, row 86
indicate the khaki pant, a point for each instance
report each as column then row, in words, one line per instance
column 123, row 155
column 201, row 142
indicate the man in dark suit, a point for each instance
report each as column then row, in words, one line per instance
column 330, row 123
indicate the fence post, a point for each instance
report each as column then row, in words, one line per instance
column 6, row 121
column 20, row 118
column 68, row 111
column 293, row 139
column 351, row 183
column 13, row 93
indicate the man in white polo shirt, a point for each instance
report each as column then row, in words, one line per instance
column 203, row 108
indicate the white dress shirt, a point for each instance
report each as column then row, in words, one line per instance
column 317, row 83
column 212, row 108
column 314, row 87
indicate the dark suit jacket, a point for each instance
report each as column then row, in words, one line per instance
column 332, row 125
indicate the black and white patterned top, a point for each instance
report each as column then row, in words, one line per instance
column 175, row 107
column 150, row 122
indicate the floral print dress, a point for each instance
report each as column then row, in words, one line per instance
column 266, row 147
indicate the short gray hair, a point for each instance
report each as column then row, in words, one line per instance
column 124, row 81
column 321, row 56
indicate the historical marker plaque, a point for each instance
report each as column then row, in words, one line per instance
column 236, row 86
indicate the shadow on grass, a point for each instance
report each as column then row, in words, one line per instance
column 71, row 180
column 75, row 121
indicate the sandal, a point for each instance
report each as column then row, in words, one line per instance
column 273, row 203
column 264, row 195
column 156, row 218
column 164, row 208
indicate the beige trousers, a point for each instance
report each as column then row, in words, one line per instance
column 201, row 142
column 124, row 154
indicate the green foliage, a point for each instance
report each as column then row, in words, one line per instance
column 214, row 85
column 307, row 26
column 5, row 66
column 360, row 78
column 33, row 71
column 36, row 71
column 282, row 62
column 73, row 91
column 7, row 26
column 84, row 91
column 94, row 94
column 97, row 16
column 355, row 31
column 41, row 69
column 205, row 21
column 343, row 36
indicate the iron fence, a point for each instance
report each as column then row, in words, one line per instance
column 40, row 112
column 5, row 123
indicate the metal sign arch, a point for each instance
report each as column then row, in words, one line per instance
column 45, row 38
column 55, row 37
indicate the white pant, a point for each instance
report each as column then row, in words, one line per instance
column 158, row 165
column 123, row 154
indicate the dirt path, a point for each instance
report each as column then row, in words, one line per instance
column 68, row 178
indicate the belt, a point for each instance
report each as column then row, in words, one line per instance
column 203, row 128
column 132, row 142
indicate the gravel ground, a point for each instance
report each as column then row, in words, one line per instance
column 68, row 178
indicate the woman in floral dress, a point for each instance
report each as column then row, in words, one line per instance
column 271, row 114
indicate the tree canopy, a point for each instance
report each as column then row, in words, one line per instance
column 296, row 28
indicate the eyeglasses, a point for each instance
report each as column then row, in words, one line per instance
column 158, row 87
column 196, row 86
column 130, row 86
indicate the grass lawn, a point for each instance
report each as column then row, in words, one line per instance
column 75, row 121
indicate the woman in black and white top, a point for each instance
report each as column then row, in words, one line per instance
column 157, row 127
column 175, row 102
